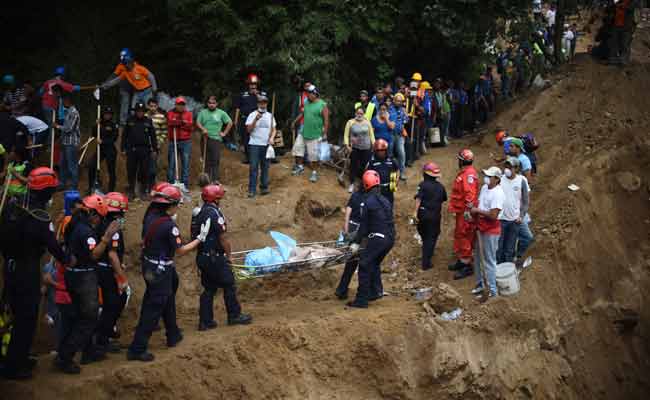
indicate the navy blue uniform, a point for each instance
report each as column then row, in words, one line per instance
column 213, row 265
column 160, row 241
column 378, row 227
column 431, row 194
column 384, row 168
column 81, row 284
column 139, row 141
column 355, row 201
column 113, row 300
column 109, row 132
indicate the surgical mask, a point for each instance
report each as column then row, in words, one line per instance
column 262, row 110
column 507, row 172
column 486, row 180
column 174, row 217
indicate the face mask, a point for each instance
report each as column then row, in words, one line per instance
column 507, row 172
column 486, row 180
column 174, row 217
column 262, row 110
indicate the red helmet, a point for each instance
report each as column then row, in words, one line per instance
column 431, row 169
column 252, row 78
column 500, row 136
column 97, row 203
column 466, row 155
column 370, row 179
column 213, row 192
column 158, row 187
column 168, row 194
column 42, row 178
column 117, row 202
column 381, row 144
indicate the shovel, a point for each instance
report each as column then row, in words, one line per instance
column 52, row 140
column 97, row 189
column 177, row 183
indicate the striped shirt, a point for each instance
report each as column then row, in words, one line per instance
column 160, row 126
column 71, row 135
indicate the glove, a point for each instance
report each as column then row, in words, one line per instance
column 354, row 247
column 467, row 216
column 205, row 228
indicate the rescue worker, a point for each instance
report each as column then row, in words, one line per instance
column 428, row 203
column 376, row 225
column 350, row 229
column 385, row 167
column 213, row 260
column 109, row 131
column 246, row 103
column 111, row 274
column 161, row 243
column 81, row 241
column 139, row 144
column 26, row 234
column 464, row 196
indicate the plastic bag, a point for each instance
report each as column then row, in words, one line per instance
column 270, row 153
column 286, row 244
column 265, row 256
column 324, row 153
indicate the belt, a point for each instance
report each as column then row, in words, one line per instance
column 354, row 223
column 74, row 269
column 376, row 234
column 384, row 184
column 213, row 252
column 159, row 262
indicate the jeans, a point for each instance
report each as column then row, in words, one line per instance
column 184, row 153
column 125, row 102
column 141, row 96
column 397, row 146
column 212, row 159
column 489, row 243
column 69, row 168
column 525, row 237
column 505, row 86
column 257, row 158
column 507, row 241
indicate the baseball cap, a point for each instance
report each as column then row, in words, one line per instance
column 517, row 142
column 364, row 92
column 180, row 100
column 492, row 171
column 261, row 98
column 513, row 161
column 312, row 89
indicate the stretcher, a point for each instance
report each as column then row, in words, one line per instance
column 337, row 253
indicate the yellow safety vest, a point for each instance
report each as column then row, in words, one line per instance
column 370, row 109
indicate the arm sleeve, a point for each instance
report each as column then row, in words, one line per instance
column 346, row 133
column 371, row 131
column 188, row 120
column 112, row 81
column 471, row 192
column 226, row 118
column 68, row 87
column 250, row 118
column 363, row 223
column 152, row 79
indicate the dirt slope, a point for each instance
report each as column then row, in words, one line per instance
column 555, row 340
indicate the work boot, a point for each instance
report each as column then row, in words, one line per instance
column 251, row 195
column 456, row 266
column 298, row 170
column 241, row 319
column 341, row 295
column 314, row 177
column 91, row 357
column 478, row 289
column 144, row 357
column 206, row 326
column 67, row 367
column 110, row 347
column 467, row 270
column 265, row 192
column 174, row 342
column 355, row 304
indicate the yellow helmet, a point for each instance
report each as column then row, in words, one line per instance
column 399, row 97
column 425, row 85
column 417, row 76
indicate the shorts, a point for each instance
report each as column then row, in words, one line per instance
column 302, row 145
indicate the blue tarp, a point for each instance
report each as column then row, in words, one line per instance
column 269, row 255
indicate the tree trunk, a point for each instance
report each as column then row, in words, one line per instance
column 559, row 31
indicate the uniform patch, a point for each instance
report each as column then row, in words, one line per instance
column 221, row 221
column 116, row 236
column 175, row 231
column 51, row 227
column 92, row 243
column 470, row 179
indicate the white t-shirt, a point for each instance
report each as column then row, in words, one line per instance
column 34, row 125
column 537, row 6
column 568, row 35
column 550, row 18
column 260, row 135
column 489, row 199
column 512, row 190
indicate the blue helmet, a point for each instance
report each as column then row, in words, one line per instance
column 125, row 55
column 59, row 71
column 8, row 79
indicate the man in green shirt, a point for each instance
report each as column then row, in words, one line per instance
column 211, row 122
column 316, row 125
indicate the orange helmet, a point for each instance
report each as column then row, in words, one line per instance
column 252, row 78
column 117, row 202
column 431, row 169
column 381, row 144
column 168, row 194
column 466, row 155
column 42, row 178
column 95, row 202
column 370, row 179
column 212, row 192
column 500, row 136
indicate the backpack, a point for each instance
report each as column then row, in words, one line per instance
column 530, row 143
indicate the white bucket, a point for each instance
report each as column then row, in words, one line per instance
column 507, row 279
column 434, row 135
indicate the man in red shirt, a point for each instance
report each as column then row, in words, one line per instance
column 50, row 94
column 180, row 124
column 464, row 196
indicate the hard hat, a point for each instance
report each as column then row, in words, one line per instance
column 262, row 98
column 466, row 155
column 500, row 136
column 95, row 202
column 398, row 97
column 59, row 71
column 125, row 54
column 252, row 78
column 212, row 192
column 158, row 187
column 370, row 179
column 70, row 198
column 180, row 100
column 168, row 194
column 425, row 85
column 108, row 110
column 381, row 144
column 417, row 76
column 42, row 178
column 431, row 169
column 117, row 202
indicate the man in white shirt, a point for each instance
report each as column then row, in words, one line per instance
column 260, row 124
column 491, row 200
column 550, row 19
column 515, row 207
